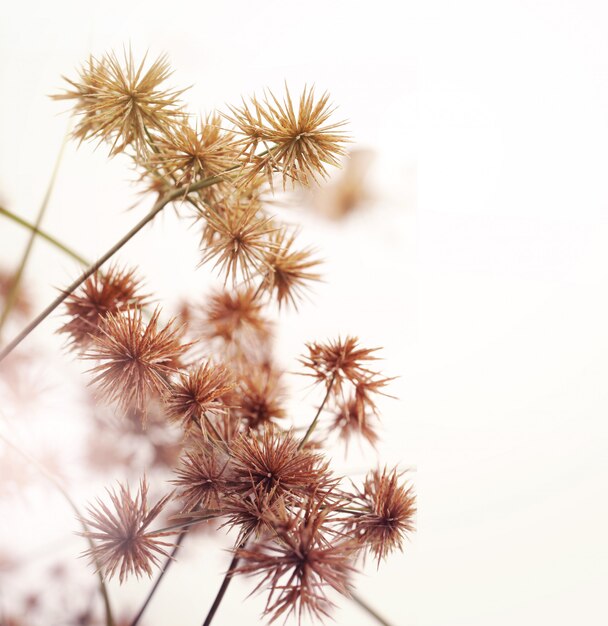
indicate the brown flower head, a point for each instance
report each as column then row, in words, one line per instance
column 201, row 478
column 337, row 361
column 349, row 420
column 136, row 358
column 301, row 564
column 87, row 308
column 235, row 319
column 389, row 512
column 239, row 242
column 122, row 102
column 22, row 303
column 257, row 514
column 288, row 272
column 188, row 153
column 273, row 462
column 259, row 398
column 199, row 390
column 122, row 542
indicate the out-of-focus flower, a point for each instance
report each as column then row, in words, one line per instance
column 258, row 400
column 348, row 190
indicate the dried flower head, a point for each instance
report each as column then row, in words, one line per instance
column 337, row 361
column 288, row 272
column 389, row 512
column 301, row 564
column 136, row 357
column 122, row 102
column 273, row 462
column 349, row 420
column 102, row 293
column 259, row 398
column 240, row 241
column 199, row 390
column 122, row 542
column 300, row 143
column 201, row 477
column 189, row 153
column 236, row 320
column 22, row 303
column 256, row 514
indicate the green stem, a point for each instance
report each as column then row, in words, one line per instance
column 16, row 282
column 55, row 481
column 368, row 609
column 43, row 235
column 313, row 424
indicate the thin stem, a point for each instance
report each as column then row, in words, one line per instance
column 43, row 235
column 198, row 520
column 224, row 586
column 16, row 281
column 156, row 209
column 313, row 424
column 368, row 609
column 55, row 481
column 163, row 571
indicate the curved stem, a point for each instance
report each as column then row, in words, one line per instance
column 224, row 586
column 156, row 209
column 163, row 571
column 313, row 424
column 16, row 281
column 43, row 235
column 49, row 476
column 368, row 609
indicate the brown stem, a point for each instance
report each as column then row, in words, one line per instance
column 224, row 586
column 313, row 424
column 163, row 571
column 368, row 609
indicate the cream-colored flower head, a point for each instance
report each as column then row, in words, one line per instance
column 123, row 103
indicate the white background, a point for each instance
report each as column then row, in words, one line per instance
column 488, row 292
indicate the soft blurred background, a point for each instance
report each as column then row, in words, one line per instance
column 486, row 286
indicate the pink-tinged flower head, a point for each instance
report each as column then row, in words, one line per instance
column 123, row 544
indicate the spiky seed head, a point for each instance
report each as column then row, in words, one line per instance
column 338, row 360
column 301, row 563
column 122, row 102
column 389, row 507
column 288, row 272
column 123, row 544
column 198, row 391
column 136, row 358
column 103, row 293
column 300, row 141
